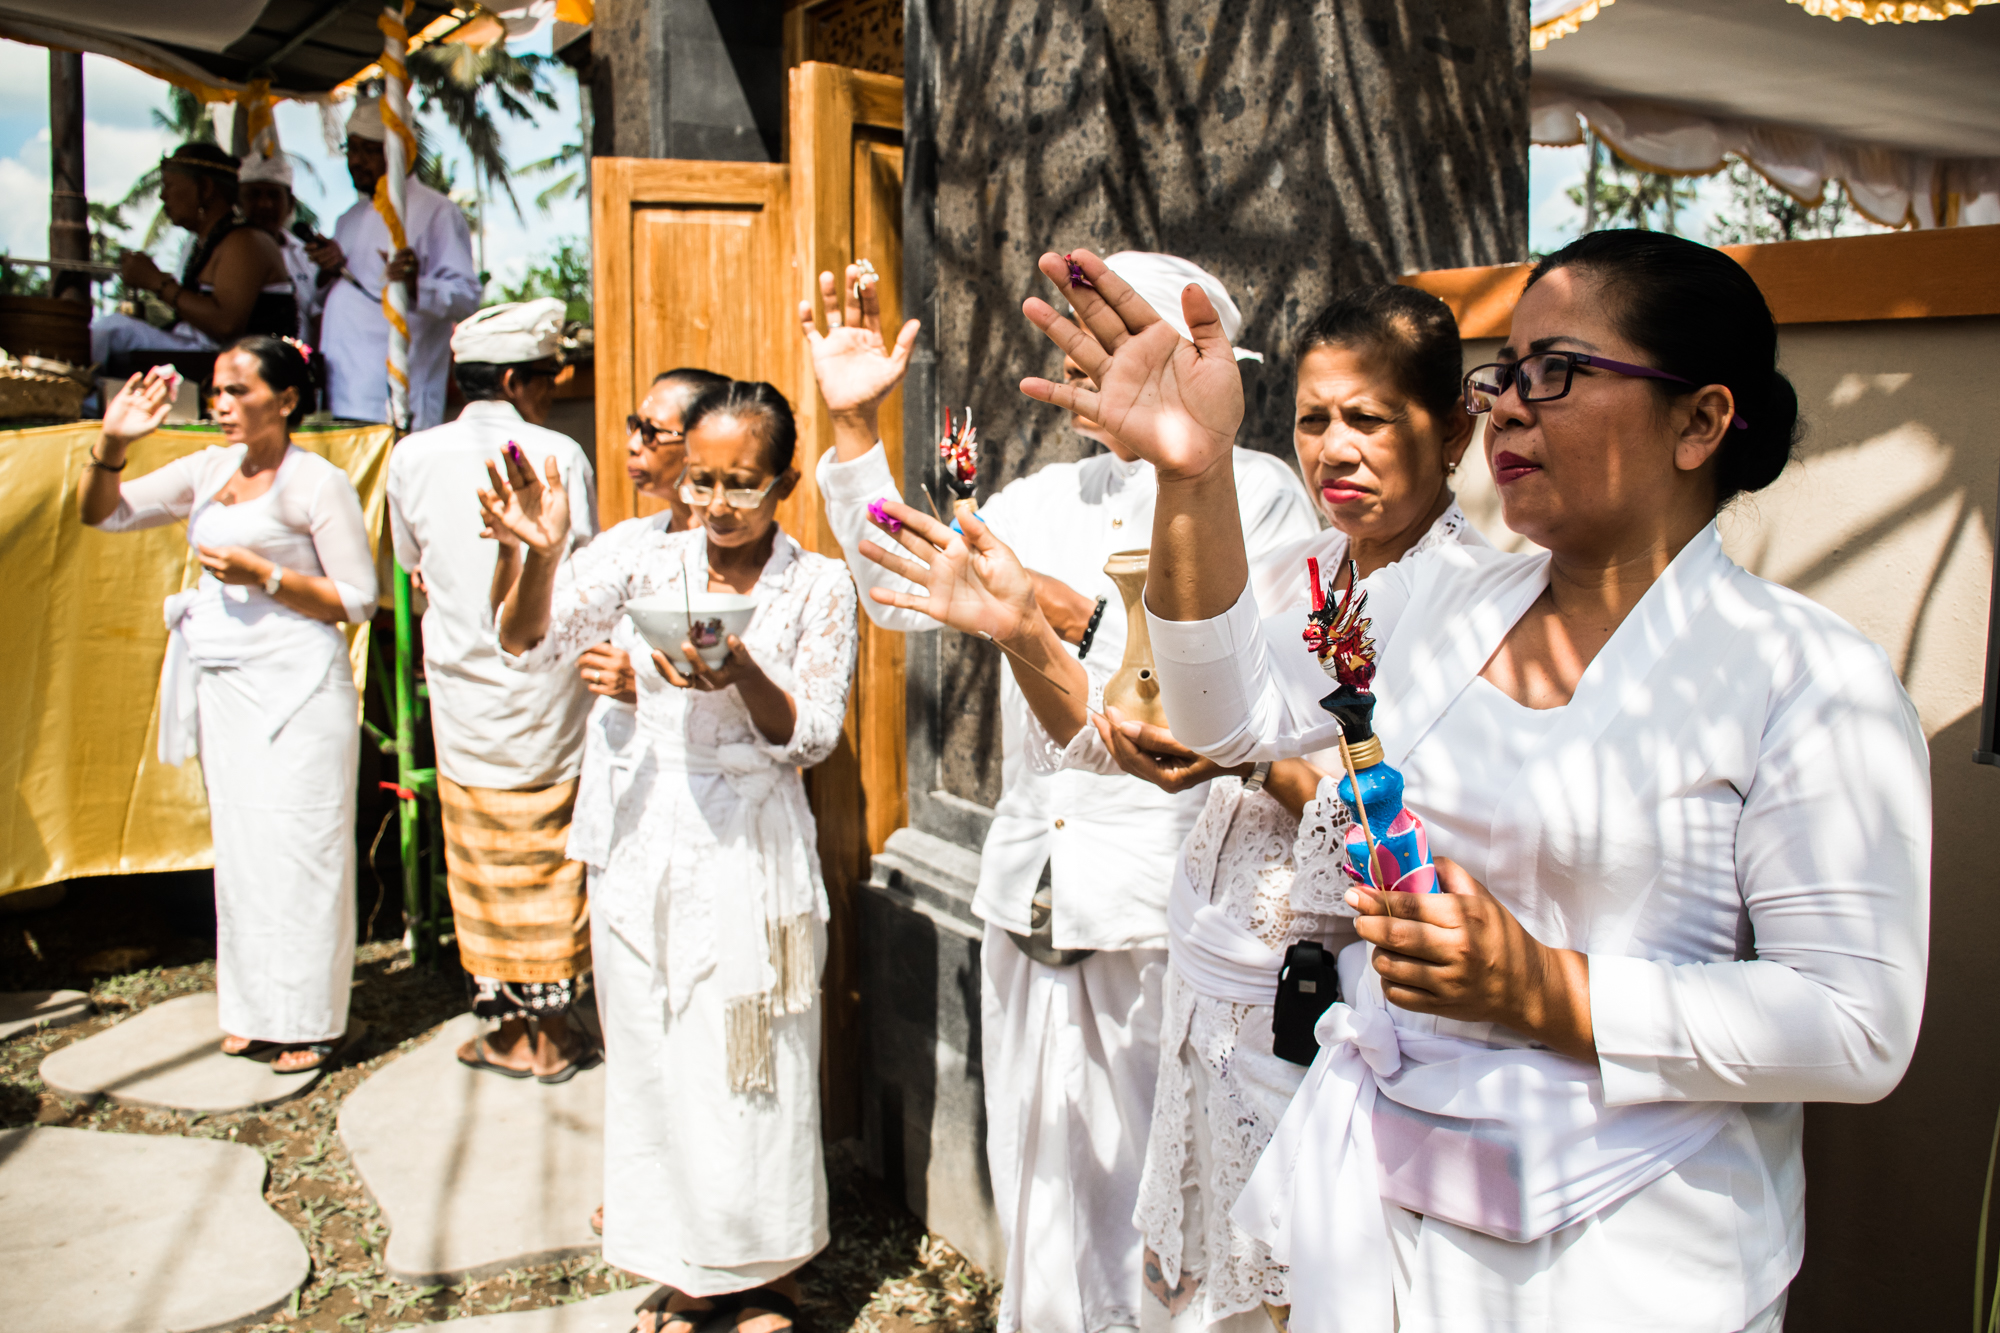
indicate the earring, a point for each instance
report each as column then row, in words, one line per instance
column 1451, row 469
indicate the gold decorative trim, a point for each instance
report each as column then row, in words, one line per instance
column 1565, row 24
column 1889, row 11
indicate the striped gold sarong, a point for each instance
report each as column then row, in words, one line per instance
column 519, row 905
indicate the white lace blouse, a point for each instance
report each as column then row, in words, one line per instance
column 1241, row 857
column 661, row 812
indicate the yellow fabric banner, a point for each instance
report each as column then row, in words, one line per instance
column 78, row 735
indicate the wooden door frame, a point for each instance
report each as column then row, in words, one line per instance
column 617, row 184
column 827, row 103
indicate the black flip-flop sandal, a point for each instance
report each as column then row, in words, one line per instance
column 256, row 1050
column 480, row 1062
column 769, row 1300
column 325, row 1050
column 696, row 1321
column 590, row 1059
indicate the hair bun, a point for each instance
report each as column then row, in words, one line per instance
column 1751, row 459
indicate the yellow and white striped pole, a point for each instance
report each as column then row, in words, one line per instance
column 401, row 148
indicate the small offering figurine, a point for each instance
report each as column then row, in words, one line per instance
column 1386, row 845
column 958, row 455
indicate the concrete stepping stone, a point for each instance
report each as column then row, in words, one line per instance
column 170, row 1055
column 474, row 1172
column 21, row 1010
column 610, row 1313
column 139, row 1233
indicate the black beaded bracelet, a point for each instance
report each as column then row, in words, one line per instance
column 103, row 466
column 1090, row 631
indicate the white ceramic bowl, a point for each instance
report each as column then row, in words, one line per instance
column 664, row 622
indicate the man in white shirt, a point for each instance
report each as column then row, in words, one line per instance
column 1076, row 866
column 509, row 743
column 436, row 266
column 264, row 191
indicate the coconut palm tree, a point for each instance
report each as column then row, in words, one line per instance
column 455, row 78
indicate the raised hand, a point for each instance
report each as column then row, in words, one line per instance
column 138, row 409
column 973, row 583
column 534, row 510
column 1175, row 403
column 855, row 367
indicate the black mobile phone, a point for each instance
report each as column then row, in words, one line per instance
column 1307, row 984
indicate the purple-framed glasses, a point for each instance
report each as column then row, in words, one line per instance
column 1545, row 377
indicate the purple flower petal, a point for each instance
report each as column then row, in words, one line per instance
column 878, row 513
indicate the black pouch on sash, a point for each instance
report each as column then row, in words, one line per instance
column 1307, row 985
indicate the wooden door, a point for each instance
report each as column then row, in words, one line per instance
column 847, row 182
column 691, row 266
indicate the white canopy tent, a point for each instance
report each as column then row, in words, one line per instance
column 1906, row 114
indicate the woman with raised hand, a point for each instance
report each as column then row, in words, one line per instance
column 1681, row 814
column 1378, row 431
column 1075, row 868
column 257, row 682
column 708, row 913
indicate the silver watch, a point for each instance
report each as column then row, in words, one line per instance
column 1255, row 782
column 277, row 577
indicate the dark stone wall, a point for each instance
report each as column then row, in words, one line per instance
column 1293, row 147
column 701, row 79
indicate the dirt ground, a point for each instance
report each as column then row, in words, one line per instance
column 135, row 941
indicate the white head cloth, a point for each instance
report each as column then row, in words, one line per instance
column 1161, row 278
column 365, row 121
column 273, row 170
column 505, row 335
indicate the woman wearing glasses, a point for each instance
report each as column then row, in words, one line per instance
column 1682, row 817
column 708, row 913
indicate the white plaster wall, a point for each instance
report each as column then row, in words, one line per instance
column 1887, row 517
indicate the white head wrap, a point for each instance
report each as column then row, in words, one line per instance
column 505, row 335
column 273, row 170
column 365, row 121
column 1161, row 278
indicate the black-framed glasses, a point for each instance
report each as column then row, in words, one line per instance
column 1546, row 376
column 651, row 434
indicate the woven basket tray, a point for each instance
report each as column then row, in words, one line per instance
column 30, row 393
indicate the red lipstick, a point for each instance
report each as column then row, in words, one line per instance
column 1340, row 492
column 1511, row 467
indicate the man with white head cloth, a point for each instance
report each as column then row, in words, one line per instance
column 436, row 266
column 1076, row 867
column 264, row 193
column 509, row 743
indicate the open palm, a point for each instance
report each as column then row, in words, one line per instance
column 1173, row 402
column 973, row 583
column 855, row 368
column 138, row 409
column 533, row 509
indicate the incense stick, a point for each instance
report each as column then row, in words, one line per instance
column 1354, row 776
column 1022, row 660
column 932, row 503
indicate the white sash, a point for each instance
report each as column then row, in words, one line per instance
column 1514, row 1142
column 1212, row 953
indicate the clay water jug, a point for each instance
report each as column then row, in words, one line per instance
column 1134, row 689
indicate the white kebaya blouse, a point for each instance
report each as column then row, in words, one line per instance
column 1109, row 841
column 1731, row 818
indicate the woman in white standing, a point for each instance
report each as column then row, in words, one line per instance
column 1682, row 818
column 257, row 681
column 707, row 908
column 1379, row 431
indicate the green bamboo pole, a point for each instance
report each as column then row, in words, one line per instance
column 409, row 812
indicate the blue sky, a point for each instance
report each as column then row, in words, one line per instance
column 121, row 143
